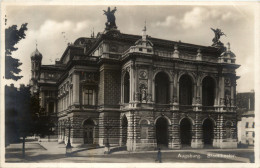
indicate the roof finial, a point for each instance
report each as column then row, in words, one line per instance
column 144, row 31
column 93, row 32
column 36, row 44
column 228, row 46
column 144, row 25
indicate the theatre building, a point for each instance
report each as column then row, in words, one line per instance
column 140, row 92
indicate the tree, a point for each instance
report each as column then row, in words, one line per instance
column 18, row 118
column 24, row 116
column 43, row 123
column 12, row 37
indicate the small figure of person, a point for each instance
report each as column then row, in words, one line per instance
column 159, row 156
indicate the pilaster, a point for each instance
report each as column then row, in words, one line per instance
column 197, row 135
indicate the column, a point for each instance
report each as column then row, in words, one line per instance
column 75, row 81
column 150, row 83
column 171, row 91
column 132, row 82
column 221, row 90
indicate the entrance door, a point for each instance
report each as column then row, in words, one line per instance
column 162, row 132
column 208, row 132
column 88, row 136
column 88, row 131
column 185, row 131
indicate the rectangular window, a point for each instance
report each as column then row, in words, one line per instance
column 246, row 134
column 88, row 97
column 253, row 125
column 253, row 134
column 247, row 124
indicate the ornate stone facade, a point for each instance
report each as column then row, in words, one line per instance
column 143, row 93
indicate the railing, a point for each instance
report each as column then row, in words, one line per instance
column 162, row 106
column 208, row 108
column 229, row 109
column 186, row 107
column 188, row 57
column 163, row 53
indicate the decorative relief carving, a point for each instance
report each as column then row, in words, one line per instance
column 198, row 100
column 222, row 101
column 227, row 82
column 143, row 74
column 137, row 96
column 113, row 48
column 127, row 69
column 174, row 99
column 149, row 98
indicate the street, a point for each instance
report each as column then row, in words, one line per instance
column 42, row 152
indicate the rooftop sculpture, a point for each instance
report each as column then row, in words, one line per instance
column 111, row 19
column 218, row 34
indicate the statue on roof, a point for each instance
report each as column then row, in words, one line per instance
column 111, row 19
column 218, row 34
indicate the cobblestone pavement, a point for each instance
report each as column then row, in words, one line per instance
column 42, row 152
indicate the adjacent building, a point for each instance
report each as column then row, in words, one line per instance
column 246, row 121
column 140, row 92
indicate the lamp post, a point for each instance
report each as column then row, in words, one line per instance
column 107, row 145
column 68, row 146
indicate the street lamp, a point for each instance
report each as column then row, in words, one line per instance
column 107, row 145
column 68, row 146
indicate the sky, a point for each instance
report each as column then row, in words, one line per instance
column 190, row 24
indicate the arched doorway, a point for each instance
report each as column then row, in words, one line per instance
column 208, row 91
column 162, row 88
column 185, row 90
column 162, row 132
column 208, row 132
column 185, row 132
column 89, row 126
column 124, row 130
column 126, row 87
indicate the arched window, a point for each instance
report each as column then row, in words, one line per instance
column 208, row 91
column 126, row 87
column 185, row 90
column 144, row 129
column 162, row 88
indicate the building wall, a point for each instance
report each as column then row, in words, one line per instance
column 105, row 116
column 246, row 130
